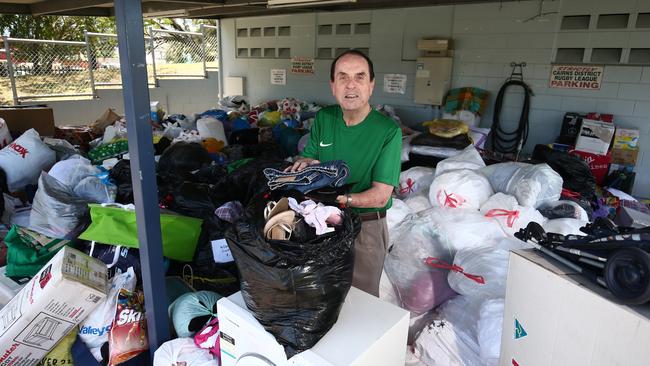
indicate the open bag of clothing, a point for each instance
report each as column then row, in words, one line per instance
column 295, row 289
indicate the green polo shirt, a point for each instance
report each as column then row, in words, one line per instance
column 371, row 149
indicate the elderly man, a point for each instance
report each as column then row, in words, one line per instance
column 370, row 143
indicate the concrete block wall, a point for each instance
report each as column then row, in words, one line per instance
column 487, row 37
column 175, row 95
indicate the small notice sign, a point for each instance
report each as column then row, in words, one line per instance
column 302, row 65
column 395, row 83
column 520, row 332
column 576, row 77
column 279, row 76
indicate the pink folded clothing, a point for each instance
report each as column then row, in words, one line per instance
column 317, row 215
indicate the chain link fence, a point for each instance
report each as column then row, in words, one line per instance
column 211, row 40
column 178, row 54
column 43, row 69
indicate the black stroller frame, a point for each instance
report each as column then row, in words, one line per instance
column 617, row 258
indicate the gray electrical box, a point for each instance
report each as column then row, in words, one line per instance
column 432, row 79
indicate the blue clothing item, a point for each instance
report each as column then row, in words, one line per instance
column 329, row 174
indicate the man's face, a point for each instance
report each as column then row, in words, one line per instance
column 352, row 87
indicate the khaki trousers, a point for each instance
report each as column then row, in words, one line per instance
column 370, row 251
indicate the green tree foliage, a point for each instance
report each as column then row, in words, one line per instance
column 47, row 27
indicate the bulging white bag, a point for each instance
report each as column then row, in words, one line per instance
column 506, row 211
column 183, row 351
column 417, row 203
column 462, row 188
column 5, row 135
column 532, row 185
column 415, row 181
column 489, row 330
column 71, row 171
column 398, row 211
column 465, row 228
column 564, row 226
column 24, row 159
column 469, row 158
column 211, row 127
column 482, row 272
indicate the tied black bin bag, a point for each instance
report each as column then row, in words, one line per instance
column 295, row 290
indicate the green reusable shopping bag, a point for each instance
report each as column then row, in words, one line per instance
column 29, row 251
column 116, row 225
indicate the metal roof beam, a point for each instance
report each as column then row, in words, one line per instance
column 63, row 6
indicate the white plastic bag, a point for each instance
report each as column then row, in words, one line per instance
column 71, row 171
column 445, row 343
column 485, row 270
column 5, row 135
column 211, row 127
column 565, row 226
column 398, row 211
column 94, row 330
column 183, row 351
column 461, row 188
column 57, row 211
column 532, row 185
column 437, row 152
column 419, row 286
column 469, row 158
column 93, row 189
column 489, row 330
column 465, row 228
column 415, row 181
column 506, row 211
column 564, row 209
column 418, row 203
column 24, row 159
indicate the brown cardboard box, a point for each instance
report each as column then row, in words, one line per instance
column 625, row 156
column 21, row 119
column 433, row 44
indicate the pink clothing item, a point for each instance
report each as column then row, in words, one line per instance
column 317, row 215
column 208, row 337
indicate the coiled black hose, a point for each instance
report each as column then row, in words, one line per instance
column 504, row 141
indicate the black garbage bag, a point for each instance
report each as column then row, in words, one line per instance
column 181, row 159
column 121, row 174
column 222, row 278
column 192, row 199
column 575, row 173
column 249, row 180
column 209, row 174
column 295, row 290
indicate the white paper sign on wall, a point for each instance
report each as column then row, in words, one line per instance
column 302, row 65
column 279, row 76
column 395, row 83
column 587, row 77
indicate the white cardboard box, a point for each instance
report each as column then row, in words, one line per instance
column 595, row 136
column 58, row 298
column 554, row 316
column 368, row 332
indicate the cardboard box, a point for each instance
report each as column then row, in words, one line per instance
column 554, row 316
column 50, row 305
column 595, row 136
column 626, row 139
column 625, row 156
column 22, row 118
column 598, row 164
column 433, row 44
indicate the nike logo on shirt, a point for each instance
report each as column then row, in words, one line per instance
column 325, row 145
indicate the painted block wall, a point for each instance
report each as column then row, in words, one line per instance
column 487, row 37
column 175, row 95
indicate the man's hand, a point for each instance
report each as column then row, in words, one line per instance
column 301, row 164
